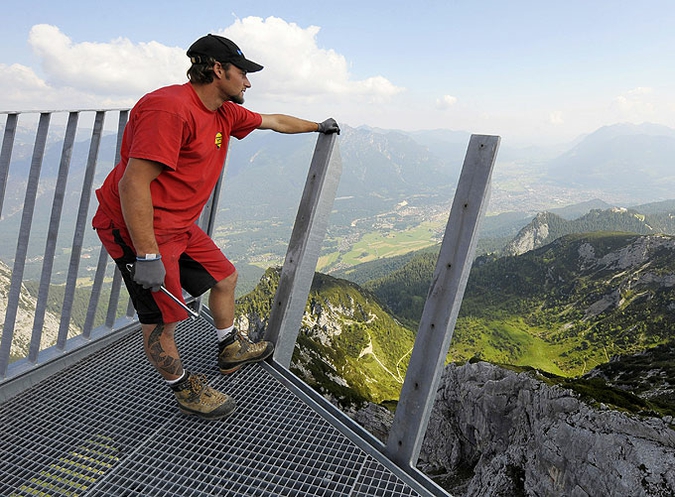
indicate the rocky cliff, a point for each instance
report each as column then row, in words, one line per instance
column 497, row 432
column 531, row 236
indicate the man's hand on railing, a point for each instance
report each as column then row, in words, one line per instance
column 329, row 126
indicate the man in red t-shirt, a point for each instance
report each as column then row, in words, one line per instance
column 173, row 151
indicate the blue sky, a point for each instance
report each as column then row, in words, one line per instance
column 530, row 71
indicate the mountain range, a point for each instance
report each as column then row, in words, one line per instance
column 564, row 309
column 635, row 159
column 547, row 226
column 392, row 181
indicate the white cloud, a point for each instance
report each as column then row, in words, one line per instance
column 296, row 69
column 21, row 77
column 118, row 67
column 22, row 89
column 556, row 117
column 635, row 104
column 445, row 102
column 117, row 73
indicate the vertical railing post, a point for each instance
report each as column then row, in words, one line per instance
column 5, row 158
column 207, row 219
column 80, row 226
column 95, row 294
column 443, row 303
column 52, row 235
column 304, row 248
column 116, row 285
column 6, row 154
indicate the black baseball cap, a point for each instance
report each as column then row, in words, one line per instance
column 223, row 50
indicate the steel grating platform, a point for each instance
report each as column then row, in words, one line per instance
column 108, row 425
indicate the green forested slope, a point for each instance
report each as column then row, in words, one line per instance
column 565, row 307
column 349, row 346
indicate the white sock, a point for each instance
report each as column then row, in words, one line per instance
column 181, row 377
column 224, row 333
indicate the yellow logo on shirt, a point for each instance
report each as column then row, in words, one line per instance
column 219, row 139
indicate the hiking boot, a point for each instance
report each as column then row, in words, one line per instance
column 237, row 350
column 195, row 396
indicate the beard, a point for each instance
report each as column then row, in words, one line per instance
column 237, row 99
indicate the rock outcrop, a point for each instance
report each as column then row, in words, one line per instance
column 495, row 432
column 531, row 236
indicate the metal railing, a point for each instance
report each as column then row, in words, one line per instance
column 68, row 188
column 73, row 187
column 76, row 181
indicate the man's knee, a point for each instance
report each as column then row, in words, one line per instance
column 228, row 284
column 159, row 329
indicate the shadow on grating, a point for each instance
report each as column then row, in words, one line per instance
column 109, row 426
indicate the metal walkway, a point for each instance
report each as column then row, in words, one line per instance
column 108, row 425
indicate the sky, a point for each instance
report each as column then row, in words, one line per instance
column 532, row 72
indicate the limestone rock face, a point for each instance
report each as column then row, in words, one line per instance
column 495, row 432
column 531, row 236
column 374, row 418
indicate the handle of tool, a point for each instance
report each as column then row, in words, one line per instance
column 192, row 313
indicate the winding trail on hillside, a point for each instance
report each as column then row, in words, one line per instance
column 398, row 377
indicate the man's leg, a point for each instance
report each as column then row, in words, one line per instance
column 221, row 302
column 203, row 266
column 234, row 348
column 193, row 394
column 160, row 347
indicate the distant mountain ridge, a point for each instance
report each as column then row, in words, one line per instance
column 546, row 226
column 543, row 228
column 624, row 157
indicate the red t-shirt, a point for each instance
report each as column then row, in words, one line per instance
column 172, row 126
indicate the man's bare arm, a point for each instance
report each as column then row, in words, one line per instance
column 136, row 201
column 282, row 123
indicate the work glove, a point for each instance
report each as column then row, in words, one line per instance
column 149, row 273
column 329, row 126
